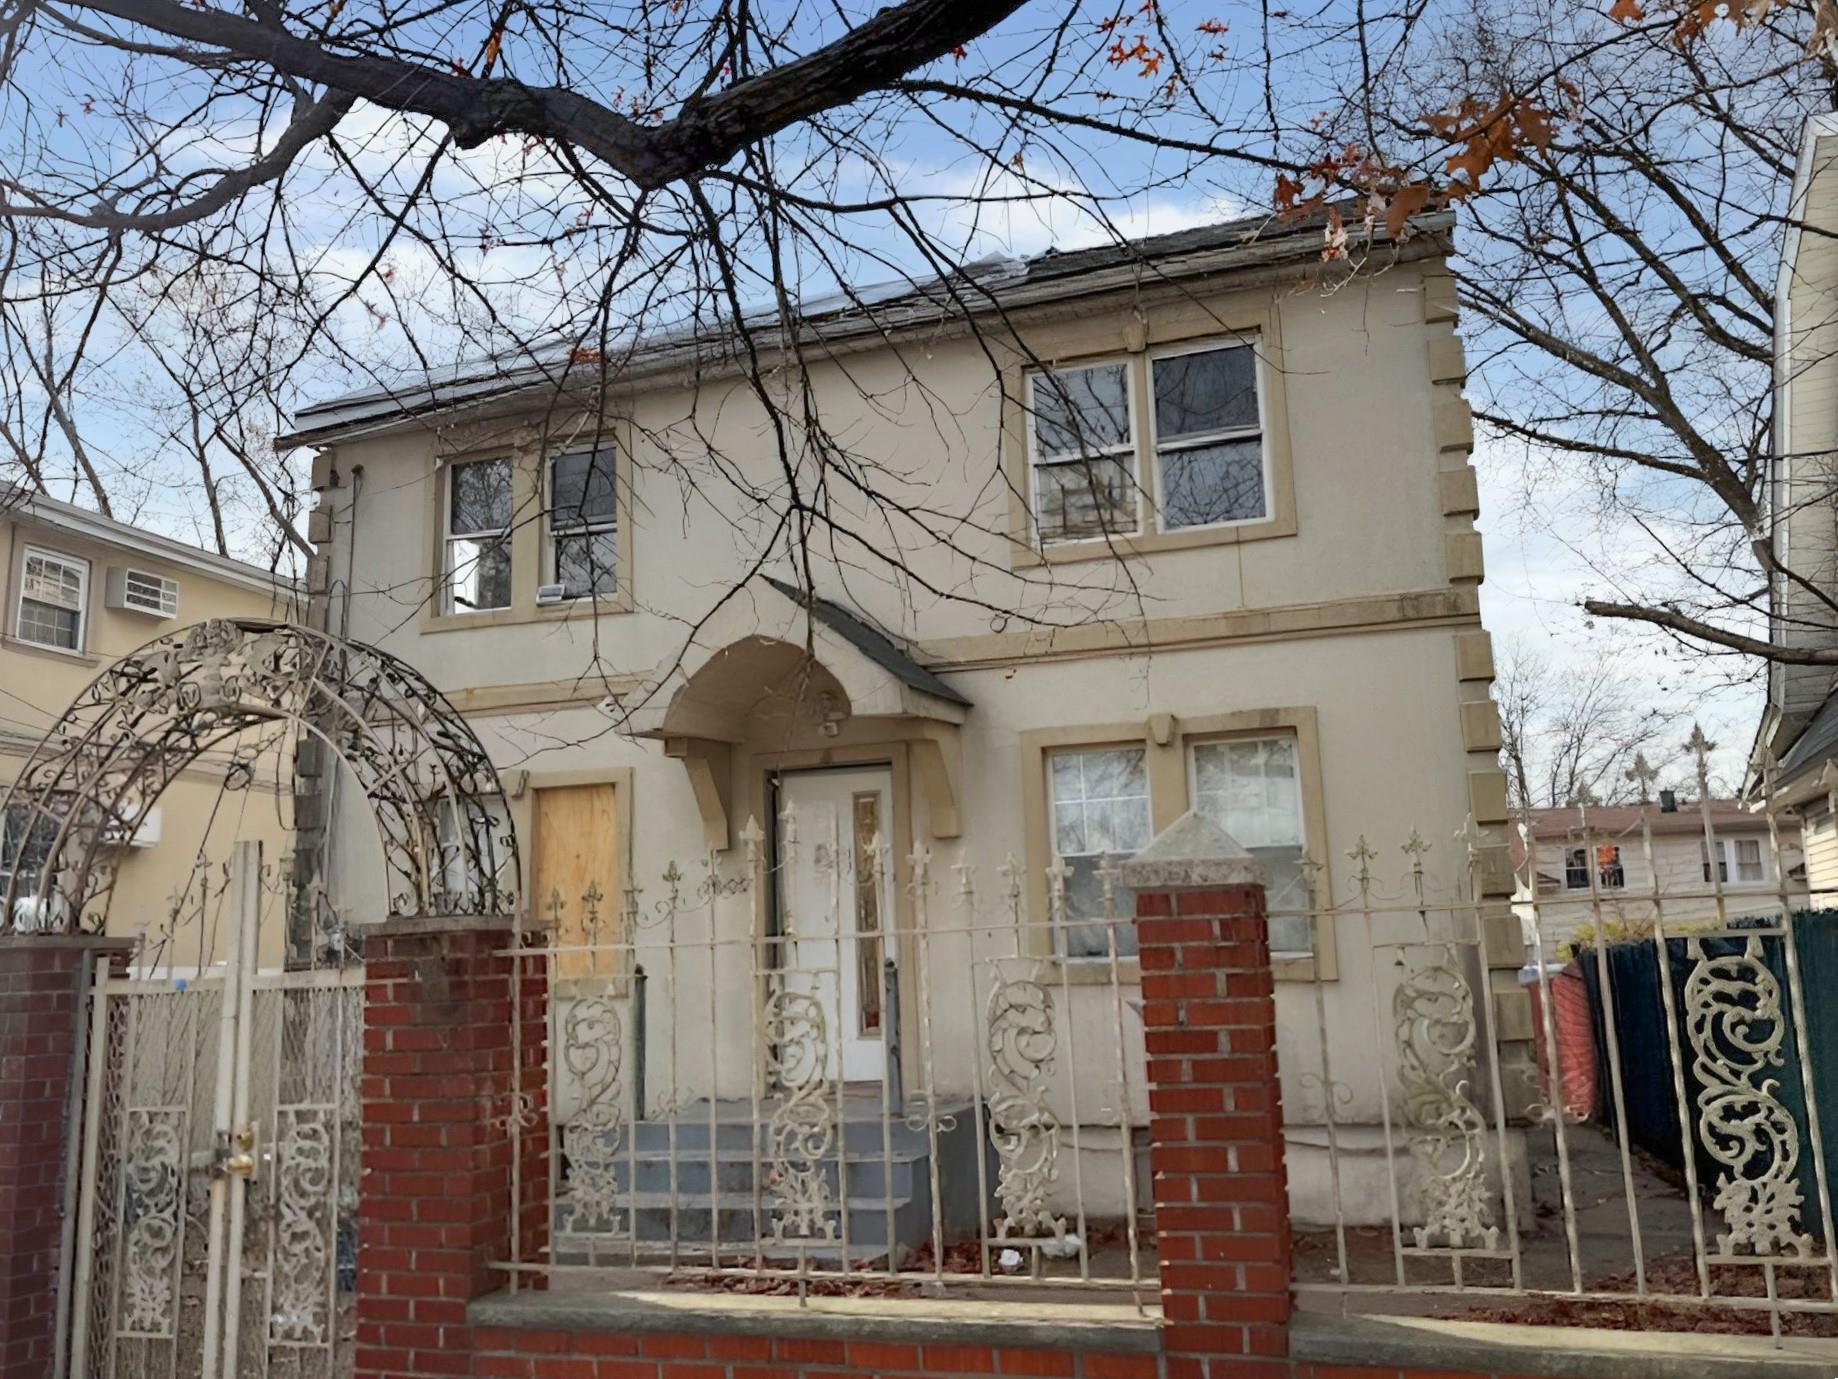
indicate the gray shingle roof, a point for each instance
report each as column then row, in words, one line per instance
column 873, row 643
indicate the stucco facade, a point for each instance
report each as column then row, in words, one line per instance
column 1342, row 623
column 71, row 636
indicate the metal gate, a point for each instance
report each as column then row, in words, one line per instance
column 217, row 1229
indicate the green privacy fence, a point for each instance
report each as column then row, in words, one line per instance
column 1732, row 1018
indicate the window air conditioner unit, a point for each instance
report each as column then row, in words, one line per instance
column 551, row 593
column 136, row 591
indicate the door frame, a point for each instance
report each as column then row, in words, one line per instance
column 762, row 770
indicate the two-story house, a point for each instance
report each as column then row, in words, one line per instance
column 78, row 591
column 1630, row 864
column 1114, row 535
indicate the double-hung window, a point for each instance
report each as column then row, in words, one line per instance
column 53, row 593
column 1196, row 412
column 1083, row 452
column 478, row 545
column 1100, row 816
column 1606, row 859
column 1209, row 440
column 1723, row 860
column 24, row 849
column 584, row 523
column 1252, row 788
column 1748, row 860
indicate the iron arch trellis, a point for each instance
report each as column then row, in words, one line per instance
column 439, row 807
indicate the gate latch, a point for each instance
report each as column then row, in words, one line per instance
column 235, row 1157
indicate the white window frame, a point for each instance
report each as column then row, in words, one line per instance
column 588, row 527
column 1190, row 749
column 1130, row 448
column 449, row 605
column 69, row 562
column 1761, row 862
column 1261, row 430
column 1060, row 936
column 1725, row 860
column 1590, row 867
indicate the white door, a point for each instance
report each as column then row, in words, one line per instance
column 836, row 904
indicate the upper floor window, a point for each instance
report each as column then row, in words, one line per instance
column 478, row 547
column 1100, row 815
column 1252, row 788
column 584, row 523
column 1209, row 444
column 1083, row 452
column 1203, row 427
column 1748, row 860
column 53, row 594
column 1609, row 873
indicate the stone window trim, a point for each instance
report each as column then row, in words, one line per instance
column 1141, row 336
column 1167, row 740
column 69, row 563
column 531, row 450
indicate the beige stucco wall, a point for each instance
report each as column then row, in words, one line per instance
column 196, row 816
column 1364, row 617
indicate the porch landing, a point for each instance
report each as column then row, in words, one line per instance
column 700, row 1185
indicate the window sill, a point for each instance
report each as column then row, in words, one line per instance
column 1072, row 1322
column 581, row 609
column 77, row 657
column 1150, row 543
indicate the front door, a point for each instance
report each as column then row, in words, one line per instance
column 836, row 865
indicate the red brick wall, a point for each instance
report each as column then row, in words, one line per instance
column 524, row 1354
column 1216, row 1134
column 41, row 1000
column 440, row 1117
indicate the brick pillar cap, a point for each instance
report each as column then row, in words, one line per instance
column 1192, row 851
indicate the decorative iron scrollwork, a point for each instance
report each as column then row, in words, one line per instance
column 304, row 1226
column 1433, row 1018
column 152, row 1171
column 593, row 1052
column 1022, row 1126
column 801, row 1133
column 1734, row 1023
column 439, row 805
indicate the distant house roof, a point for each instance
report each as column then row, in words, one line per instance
column 23, row 503
column 1609, row 822
column 873, row 643
column 997, row 283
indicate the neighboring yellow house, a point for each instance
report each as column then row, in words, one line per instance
column 78, row 591
column 1237, row 480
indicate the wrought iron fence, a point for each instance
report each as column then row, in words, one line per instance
column 825, row 1067
column 1598, row 1103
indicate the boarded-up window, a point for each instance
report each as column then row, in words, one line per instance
column 579, row 888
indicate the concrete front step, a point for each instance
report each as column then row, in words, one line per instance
column 877, row 1160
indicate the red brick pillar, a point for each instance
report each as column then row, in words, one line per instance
column 44, row 981
column 1209, row 1014
column 450, row 1133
